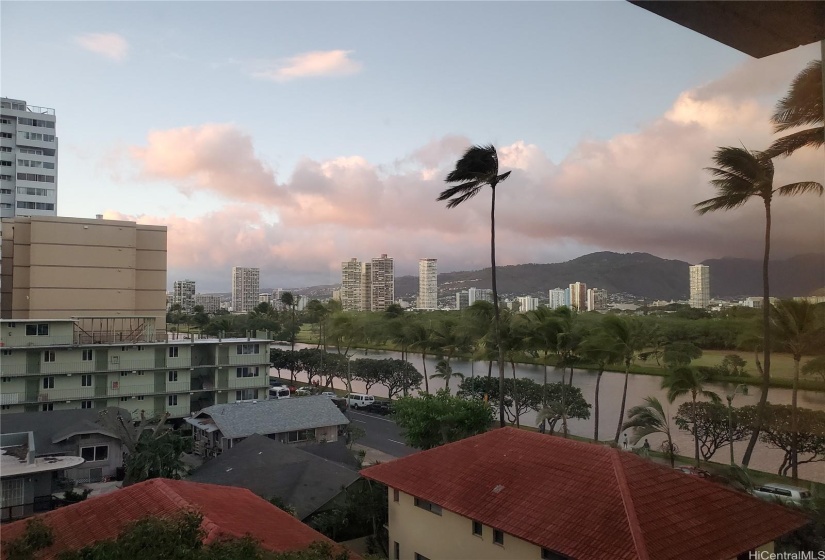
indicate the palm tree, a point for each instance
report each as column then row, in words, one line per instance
column 802, row 106
column 799, row 331
column 420, row 339
column 476, row 168
column 445, row 372
column 292, row 302
column 543, row 337
column 682, row 381
column 625, row 340
column 740, row 176
column 600, row 350
column 650, row 418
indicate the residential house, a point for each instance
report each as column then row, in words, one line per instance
column 306, row 482
column 26, row 480
column 227, row 512
column 306, row 419
column 513, row 494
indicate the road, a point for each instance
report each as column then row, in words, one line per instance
column 381, row 433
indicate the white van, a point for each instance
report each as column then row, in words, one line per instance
column 279, row 392
column 359, row 400
column 784, row 493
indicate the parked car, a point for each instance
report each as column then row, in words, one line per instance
column 329, row 394
column 379, row 407
column 359, row 400
column 783, row 493
column 303, row 391
column 279, row 392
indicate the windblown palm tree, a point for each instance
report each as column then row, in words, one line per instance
column 802, row 106
column 420, row 338
column 445, row 371
column 600, row 350
column 739, row 176
column 543, row 337
column 650, row 418
column 799, row 330
column 625, row 340
column 478, row 167
column 683, row 381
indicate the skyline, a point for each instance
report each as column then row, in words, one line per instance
column 294, row 142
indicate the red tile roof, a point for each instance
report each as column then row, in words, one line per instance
column 227, row 511
column 585, row 500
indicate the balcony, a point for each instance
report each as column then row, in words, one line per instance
column 247, row 382
column 37, row 341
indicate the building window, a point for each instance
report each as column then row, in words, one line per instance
column 300, row 435
column 173, row 376
column 124, row 399
column 47, row 407
column 86, row 380
column 397, row 549
column 248, row 349
column 246, row 395
column 547, row 554
column 477, row 528
column 429, row 506
column 246, row 371
column 48, row 356
column 6, row 379
column 173, row 400
column 124, row 373
column 40, row 329
column 173, row 351
column 87, row 356
column 5, row 407
column 48, row 382
column 95, row 453
column 498, row 537
column 141, row 397
column 7, row 352
column 85, row 404
column 395, row 495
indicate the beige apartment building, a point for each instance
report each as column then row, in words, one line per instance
column 96, row 362
column 59, row 268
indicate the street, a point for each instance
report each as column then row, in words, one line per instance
column 381, row 433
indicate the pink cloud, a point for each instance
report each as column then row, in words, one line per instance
column 110, row 45
column 310, row 65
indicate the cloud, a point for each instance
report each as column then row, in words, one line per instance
column 111, row 45
column 631, row 192
column 309, row 65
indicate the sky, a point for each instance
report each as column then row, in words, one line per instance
column 293, row 136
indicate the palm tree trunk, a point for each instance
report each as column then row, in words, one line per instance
column 624, row 401
column 497, row 322
column 695, row 431
column 515, row 394
column 766, row 341
column 544, row 395
column 424, row 362
column 490, row 369
column 596, row 406
column 795, row 421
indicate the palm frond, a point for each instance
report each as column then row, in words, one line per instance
column 803, row 103
column 800, row 188
column 787, row 145
column 720, row 203
column 476, row 168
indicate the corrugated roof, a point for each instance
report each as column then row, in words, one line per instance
column 584, row 500
column 274, row 416
column 227, row 511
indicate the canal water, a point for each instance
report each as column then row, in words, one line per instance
column 764, row 457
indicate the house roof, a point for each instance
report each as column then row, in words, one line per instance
column 226, row 512
column 275, row 416
column 302, row 480
column 584, row 500
column 54, row 427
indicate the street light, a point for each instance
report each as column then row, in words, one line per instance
column 743, row 389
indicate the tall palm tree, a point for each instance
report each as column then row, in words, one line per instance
column 420, row 338
column 543, row 337
column 802, row 106
column 291, row 302
column 445, row 371
column 740, row 176
column 625, row 340
column 601, row 350
column 800, row 331
column 650, row 418
column 682, row 381
column 476, row 168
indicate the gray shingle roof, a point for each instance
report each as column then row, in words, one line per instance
column 53, row 427
column 236, row 420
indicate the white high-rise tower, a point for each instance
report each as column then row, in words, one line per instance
column 427, row 284
column 699, row 285
column 245, row 288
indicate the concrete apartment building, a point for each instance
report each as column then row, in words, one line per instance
column 245, row 288
column 59, row 268
column 382, row 283
column 367, row 286
column 578, row 296
column 427, row 284
column 351, row 285
column 528, row 303
column 98, row 362
column 479, row 294
column 28, row 160
column 183, row 294
column 558, row 298
column 699, row 285
column 462, row 300
column 211, row 302
column 596, row 299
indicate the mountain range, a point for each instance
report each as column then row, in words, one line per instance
column 640, row 274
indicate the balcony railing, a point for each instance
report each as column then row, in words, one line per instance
column 37, row 341
column 49, row 368
column 247, row 382
column 114, row 389
column 39, row 505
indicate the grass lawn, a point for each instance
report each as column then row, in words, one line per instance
column 781, row 364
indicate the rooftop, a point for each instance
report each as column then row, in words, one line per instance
column 585, row 500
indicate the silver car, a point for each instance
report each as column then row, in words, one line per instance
column 783, row 493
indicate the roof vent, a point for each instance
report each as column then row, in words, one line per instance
column 498, row 489
column 254, row 402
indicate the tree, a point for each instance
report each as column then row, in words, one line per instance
column 650, row 418
column 476, row 168
column 369, row 371
column 625, row 339
column 401, row 377
column 683, row 381
column 799, row 330
column 777, row 433
column 711, row 426
column 816, row 366
column 680, row 354
column 419, row 339
column 291, row 302
column 802, row 106
column 739, row 176
column 445, row 371
column 563, row 402
column 284, row 359
column 600, row 350
column 432, row 420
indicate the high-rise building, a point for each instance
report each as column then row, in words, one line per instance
column 596, row 299
column 528, row 303
column 462, row 300
column 578, row 296
column 265, row 297
column 59, row 268
column 479, row 294
column 183, row 294
column 366, row 287
column 351, row 285
column 245, row 288
column 211, row 303
column 427, row 284
column 699, row 285
column 382, row 283
column 557, row 298
column 28, row 160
